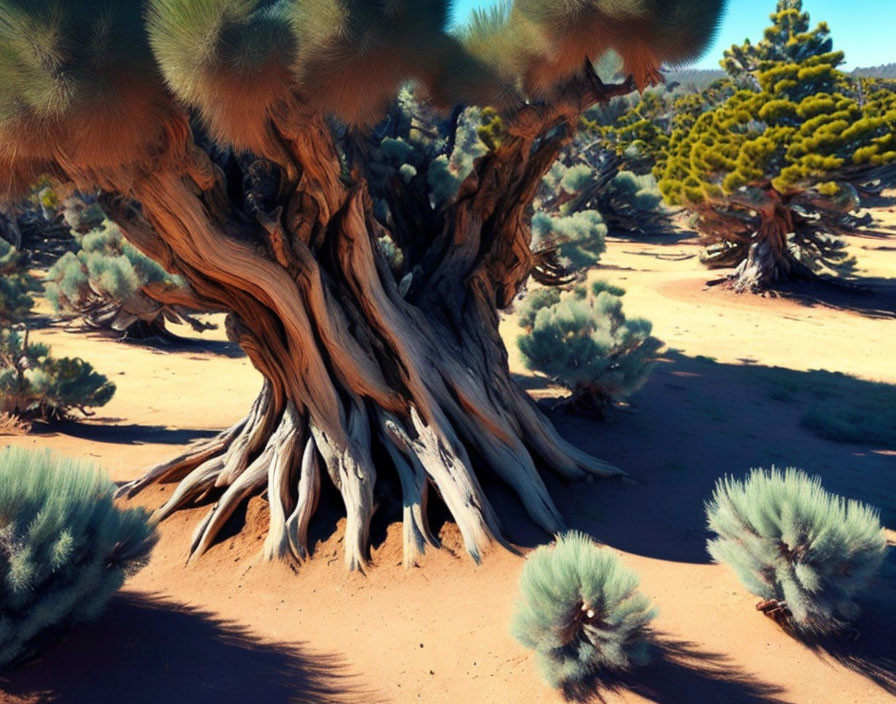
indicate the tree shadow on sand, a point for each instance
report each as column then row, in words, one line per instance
column 105, row 430
column 185, row 345
column 869, row 297
column 695, row 421
column 681, row 672
column 146, row 649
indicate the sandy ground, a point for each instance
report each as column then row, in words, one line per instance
column 229, row 629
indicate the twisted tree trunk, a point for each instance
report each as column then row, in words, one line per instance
column 352, row 362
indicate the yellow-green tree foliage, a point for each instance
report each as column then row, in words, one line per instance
column 805, row 128
column 797, row 122
column 790, row 39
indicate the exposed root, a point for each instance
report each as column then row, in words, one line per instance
column 192, row 488
column 414, row 490
column 286, row 441
column 283, row 452
column 251, row 438
column 177, row 468
column 350, row 466
column 249, row 482
column 306, row 504
column 232, row 442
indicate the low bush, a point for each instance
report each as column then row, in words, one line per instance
column 108, row 284
column 578, row 238
column 583, row 341
column 34, row 384
column 581, row 612
column 66, row 547
column 15, row 285
column 803, row 551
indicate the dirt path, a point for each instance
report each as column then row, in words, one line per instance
column 228, row 629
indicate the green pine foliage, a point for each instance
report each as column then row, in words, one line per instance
column 16, row 285
column 772, row 172
column 791, row 39
column 66, row 547
column 34, row 384
column 108, row 284
column 583, row 341
column 805, row 551
column 581, row 612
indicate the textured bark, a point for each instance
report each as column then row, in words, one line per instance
column 763, row 238
column 352, row 360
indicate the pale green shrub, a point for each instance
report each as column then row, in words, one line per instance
column 581, row 612
column 65, row 548
column 34, row 384
column 585, row 343
column 801, row 549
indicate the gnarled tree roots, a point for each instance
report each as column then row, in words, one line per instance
column 358, row 366
column 286, row 455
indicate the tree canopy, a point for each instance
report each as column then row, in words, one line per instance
column 255, row 149
column 89, row 83
column 779, row 164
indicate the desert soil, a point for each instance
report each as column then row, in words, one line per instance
column 230, row 629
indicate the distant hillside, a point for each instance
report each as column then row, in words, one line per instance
column 882, row 71
column 694, row 79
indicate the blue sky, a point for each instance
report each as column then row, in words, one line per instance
column 864, row 29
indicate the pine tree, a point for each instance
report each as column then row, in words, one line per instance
column 232, row 124
column 790, row 39
column 774, row 173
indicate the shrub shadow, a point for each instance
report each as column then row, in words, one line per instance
column 146, row 649
column 130, row 434
column 681, row 672
column 178, row 344
column 868, row 648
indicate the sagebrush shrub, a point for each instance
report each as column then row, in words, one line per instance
column 583, row 341
column 34, row 384
column 578, row 238
column 804, row 551
column 581, row 611
column 65, row 548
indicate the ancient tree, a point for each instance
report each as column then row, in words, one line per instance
column 775, row 171
column 230, row 142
